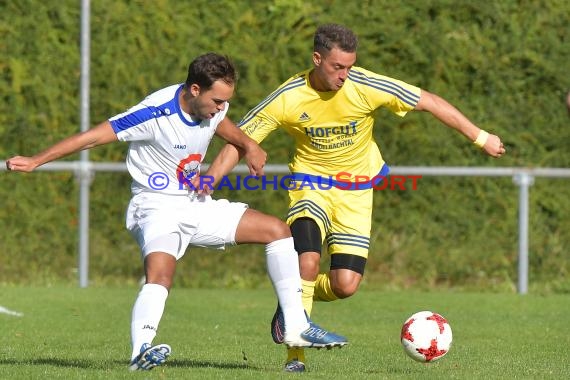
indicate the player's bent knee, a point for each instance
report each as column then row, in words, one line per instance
column 278, row 229
column 163, row 279
column 309, row 263
column 345, row 290
column 346, row 274
column 159, row 268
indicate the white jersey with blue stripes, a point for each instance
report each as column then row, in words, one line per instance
column 166, row 145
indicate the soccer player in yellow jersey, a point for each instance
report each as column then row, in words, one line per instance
column 329, row 111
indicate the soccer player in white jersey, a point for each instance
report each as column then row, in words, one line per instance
column 329, row 110
column 168, row 134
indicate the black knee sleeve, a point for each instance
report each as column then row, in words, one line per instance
column 307, row 236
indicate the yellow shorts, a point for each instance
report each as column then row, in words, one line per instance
column 343, row 216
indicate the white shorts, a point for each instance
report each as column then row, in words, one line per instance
column 169, row 223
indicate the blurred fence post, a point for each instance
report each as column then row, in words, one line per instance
column 524, row 181
column 84, row 173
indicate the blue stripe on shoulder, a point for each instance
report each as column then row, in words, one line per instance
column 135, row 118
column 147, row 113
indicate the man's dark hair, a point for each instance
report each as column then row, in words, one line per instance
column 208, row 68
column 329, row 36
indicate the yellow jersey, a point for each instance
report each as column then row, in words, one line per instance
column 332, row 130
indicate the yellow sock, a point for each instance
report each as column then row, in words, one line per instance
column 308, row 292
column 323, row 290
column 295, row 354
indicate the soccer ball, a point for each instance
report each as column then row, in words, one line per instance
column 426, row 336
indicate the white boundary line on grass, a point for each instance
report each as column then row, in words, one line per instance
column 10, row 312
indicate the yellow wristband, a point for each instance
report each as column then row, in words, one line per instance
column 481, row 139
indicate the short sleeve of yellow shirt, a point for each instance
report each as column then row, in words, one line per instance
column 332, row 130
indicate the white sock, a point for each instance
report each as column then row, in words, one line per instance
column 147, row 312
column 283, row 270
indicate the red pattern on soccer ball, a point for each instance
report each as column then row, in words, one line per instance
column 432, row 352
column 405, row 334
column 439, row 320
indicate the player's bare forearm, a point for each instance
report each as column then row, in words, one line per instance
column 255, row 157
column 225, row 161
column 447, row 114
column 101, row 134
column 453, row 118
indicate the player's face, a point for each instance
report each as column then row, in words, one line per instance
column 205, row 104
column 331, row 69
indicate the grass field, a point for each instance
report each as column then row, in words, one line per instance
column 72, row 333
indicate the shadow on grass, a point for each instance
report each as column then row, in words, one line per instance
column 91, row 364
column 71, row 363
column 208, row 364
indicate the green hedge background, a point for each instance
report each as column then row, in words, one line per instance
column 503, row 63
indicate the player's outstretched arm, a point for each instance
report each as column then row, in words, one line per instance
column 453, row 118
column 98, row 135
